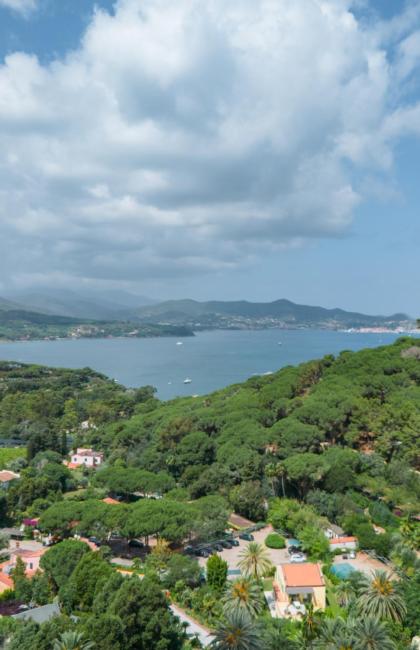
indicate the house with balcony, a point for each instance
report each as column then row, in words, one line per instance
column 295, row 586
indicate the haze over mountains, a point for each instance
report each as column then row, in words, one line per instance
column 123, row 306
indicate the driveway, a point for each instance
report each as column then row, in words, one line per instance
column 193, row 628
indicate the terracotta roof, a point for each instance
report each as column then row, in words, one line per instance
column 343, row 540
column 73, row 465
column 6, row 476
column 110, row 501
column 302, row 575
column 6, row 580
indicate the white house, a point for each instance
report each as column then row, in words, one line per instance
column 343, row 542
column 333, row 531
column 87, row 458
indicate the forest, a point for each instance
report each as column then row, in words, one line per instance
column 331, row 441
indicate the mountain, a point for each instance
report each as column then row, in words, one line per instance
column 244, row 314
column 101, row 304
column 6, row 305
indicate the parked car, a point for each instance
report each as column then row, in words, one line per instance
column 135, row 543
column 95, row 540
column 248, row 537
column 233, row 541
column 189, row 550
column 352, row 555
column 204, row 552
column 226, row 543
column 298, row 558
column 218, row 547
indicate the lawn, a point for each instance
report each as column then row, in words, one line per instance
column 8, row 454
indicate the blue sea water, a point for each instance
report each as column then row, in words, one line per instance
column 211, row 359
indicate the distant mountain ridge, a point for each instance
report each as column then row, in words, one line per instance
column 280, row 312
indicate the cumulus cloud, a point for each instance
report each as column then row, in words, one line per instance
column 21, row 6
column 186, row 137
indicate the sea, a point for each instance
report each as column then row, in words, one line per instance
column 211, row 359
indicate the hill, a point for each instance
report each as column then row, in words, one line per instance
column 244, row 314
column 99, row 305
column 19, row 324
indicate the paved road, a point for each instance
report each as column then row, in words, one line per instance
column 193, row 627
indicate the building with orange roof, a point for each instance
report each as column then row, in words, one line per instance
column 343, row 542
column 295, row 586
column 31, row 560
column 110, row 501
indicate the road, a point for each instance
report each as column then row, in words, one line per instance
column 193, row 627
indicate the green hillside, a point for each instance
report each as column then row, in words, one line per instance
column 270, row 314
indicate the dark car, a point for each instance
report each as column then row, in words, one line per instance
column 233, row 541
column 226, row 543
column 248, row 537
column 135, row 543
column 218, row 547
column 95, row 540
column 204, row 552
column 189, row 550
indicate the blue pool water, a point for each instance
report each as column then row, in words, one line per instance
column 342, row 570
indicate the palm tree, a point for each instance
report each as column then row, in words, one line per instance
column 254, row 561
column 380, row 599
column 237, row 632
column 311, row 623
column 72, row 641
column 243, row 594
column 345, row 593
column 370, row 634
column 335, row 634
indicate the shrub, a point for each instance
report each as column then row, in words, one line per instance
column 274, row 540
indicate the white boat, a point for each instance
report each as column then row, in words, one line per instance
column 179, row 343
column 187, row 380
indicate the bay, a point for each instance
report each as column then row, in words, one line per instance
column 212, row 359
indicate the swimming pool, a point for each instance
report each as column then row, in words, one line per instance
column 342, row 570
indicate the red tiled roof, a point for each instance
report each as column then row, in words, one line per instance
column 6, row 580
column 343, row 540
column 110, row 501
column 6, row 476
column 302, row 575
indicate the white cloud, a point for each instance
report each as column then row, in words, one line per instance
column 184, row 136
column 21, row 6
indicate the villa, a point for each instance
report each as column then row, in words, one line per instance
column 86, row 457
column 31, row 560
column 297, row 585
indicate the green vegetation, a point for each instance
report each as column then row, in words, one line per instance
column 332, row 441
column 274, row 540
column 16, row 324
column 9, row 454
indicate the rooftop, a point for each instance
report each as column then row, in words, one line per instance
column 343, row 540
column 303, row 575
column 6, row 476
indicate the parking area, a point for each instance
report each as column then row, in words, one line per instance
column 232, row 555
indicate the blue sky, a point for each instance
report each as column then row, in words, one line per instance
column 267, row 151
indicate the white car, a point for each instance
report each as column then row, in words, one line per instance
column 297, row 557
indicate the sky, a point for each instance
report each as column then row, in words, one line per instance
column 256, row 149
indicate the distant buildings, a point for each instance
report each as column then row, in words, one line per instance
column 86, row 458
